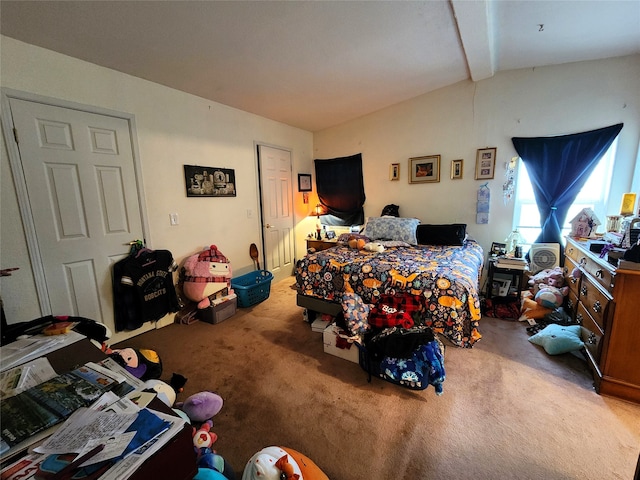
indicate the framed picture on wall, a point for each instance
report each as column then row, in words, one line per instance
column 394, row 171
column 209, row 181
column 304, row 182
column 456, row 169
column 424, row 169
column 485, row 163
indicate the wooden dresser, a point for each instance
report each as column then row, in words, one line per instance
column 605, row 301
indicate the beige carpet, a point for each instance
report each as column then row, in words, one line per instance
column 509, row 410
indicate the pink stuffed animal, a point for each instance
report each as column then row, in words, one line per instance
column 206, row 273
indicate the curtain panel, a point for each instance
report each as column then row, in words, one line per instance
column 558, row 168
column 341, row 189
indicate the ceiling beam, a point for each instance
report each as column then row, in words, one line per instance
column 475, row 27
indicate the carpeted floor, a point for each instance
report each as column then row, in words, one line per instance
column 509, row 410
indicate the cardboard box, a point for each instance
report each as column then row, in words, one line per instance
column 335, row 343
column 220, row 309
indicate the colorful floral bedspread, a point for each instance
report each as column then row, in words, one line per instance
column 445, row 277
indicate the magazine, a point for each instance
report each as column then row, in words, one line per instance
column 50, row 403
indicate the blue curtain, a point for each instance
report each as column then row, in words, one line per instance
column 558, row 168
column 341, row 190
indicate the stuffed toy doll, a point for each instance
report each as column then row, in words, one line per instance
column 201, row 406
column 203, row 437
column 143, row 364
column 281, row 463
column 205, row 274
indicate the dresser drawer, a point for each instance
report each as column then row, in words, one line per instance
column 572, row 283
column 595, row 301
column 591, row 333
column 601, row 274
column 572, row 252
column 571, row 304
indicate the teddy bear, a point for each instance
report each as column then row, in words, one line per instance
column 205, row 274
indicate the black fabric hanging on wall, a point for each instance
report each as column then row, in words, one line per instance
column 341, row 189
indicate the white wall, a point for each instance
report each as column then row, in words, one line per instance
column 455, row 121
column 173, row 129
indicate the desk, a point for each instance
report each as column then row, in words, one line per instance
column 176, row 460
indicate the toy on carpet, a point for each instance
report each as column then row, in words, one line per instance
column 210, row 460
column 531, row 310
column 144, row 364
column 163, row 391
column 203, row 437
column 205, row 274
column 554, row 277
column 201, row 406
column 209, row 474
column 550, row 297
column 178, row 382
column 281, row 463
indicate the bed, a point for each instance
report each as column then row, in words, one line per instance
column 444, row 277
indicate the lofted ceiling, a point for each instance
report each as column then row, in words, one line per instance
column 317, row 64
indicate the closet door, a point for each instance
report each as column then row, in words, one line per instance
column 80, row 182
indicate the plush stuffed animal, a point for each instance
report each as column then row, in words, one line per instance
column 356, row 243
column 204, row 437
column 550, row 297
column 205, row 274
column 201, row 406
column 554, row 277
column 163, row 391
column 373, row 247
column 144, row 364
column 532, row 311
column 281, row 463
column 209, row 459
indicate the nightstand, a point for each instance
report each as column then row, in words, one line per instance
column 516, row 274
column 319, row 245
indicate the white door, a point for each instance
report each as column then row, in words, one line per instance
column 81, row 185
column 277, row 211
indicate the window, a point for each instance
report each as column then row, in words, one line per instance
column 594, row 194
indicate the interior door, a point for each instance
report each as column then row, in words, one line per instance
column 277, row 210
column 80, row 178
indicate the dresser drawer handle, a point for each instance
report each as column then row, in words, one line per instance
column 579, row 318
column 570, row 250
column 592, row 340
column 583, row 261
column 599, row 274
column 597, row 306
column 570, row 304
column 583, row 291
column 573, row 280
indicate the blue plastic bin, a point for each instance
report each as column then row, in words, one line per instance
column 252, row 288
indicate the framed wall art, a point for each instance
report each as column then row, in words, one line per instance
column 209, row 181
column 456, row 169
column 304, row 182
column 394, row 171
column 424, row 169
column 485, row 163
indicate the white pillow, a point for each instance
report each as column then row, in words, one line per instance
column 392, row 228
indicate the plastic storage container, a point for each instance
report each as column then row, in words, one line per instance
column 252, row 288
